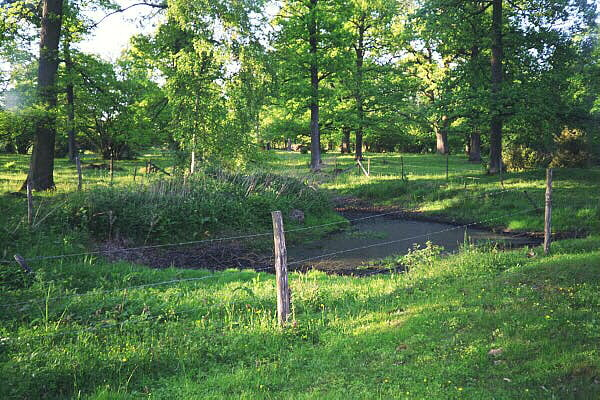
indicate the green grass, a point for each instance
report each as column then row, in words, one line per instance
column 426, row 334
column 576, row 192
column 83, row 328
column 153, row 209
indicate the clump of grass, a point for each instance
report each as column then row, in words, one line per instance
column 199, row 207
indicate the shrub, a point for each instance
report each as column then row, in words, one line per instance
column 209, row 203
column 571, row 149
column 418, row 256
column 518, row 157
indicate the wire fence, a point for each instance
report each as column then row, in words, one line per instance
column 105, row 294
column 247, row 236
column 47, row 300
column 292, row 263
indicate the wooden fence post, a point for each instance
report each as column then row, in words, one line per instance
column 548, row 213
column 79, row 177
column 29, row 202
column 112, row 169
column 281, row 275
column 447, row 156
column 23, row 264
column 402, row 163
column 369, row 167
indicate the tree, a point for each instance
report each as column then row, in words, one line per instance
column 307, row 46
column 212, row 76
column 368, row 32
column 41, row 170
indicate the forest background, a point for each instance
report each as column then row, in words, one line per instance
column 512, row 83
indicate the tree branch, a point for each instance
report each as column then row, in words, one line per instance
column 162, row 6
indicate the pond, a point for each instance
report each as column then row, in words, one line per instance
column 376, row 238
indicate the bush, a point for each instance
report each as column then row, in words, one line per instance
column 209, row 203
column 518, row 157
column 571, row 149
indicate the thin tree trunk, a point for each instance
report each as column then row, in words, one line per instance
column 315, row 135
column 41, row 170
column 360, row 55
column 70, row 102
column 496, row 111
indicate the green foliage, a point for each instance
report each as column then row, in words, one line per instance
column 174, row 210
column 418, row 257
column 571, row 149
column 521, row 157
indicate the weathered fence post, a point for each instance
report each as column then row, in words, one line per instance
column 23, row 264
column 281, row 275
column 369, row 167
column 548, row 213
column 402, row 163
column 29, row 202
column 112, row 168
column 79, row 177
column 447, row 156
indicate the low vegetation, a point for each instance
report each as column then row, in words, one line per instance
column 482, row 323
column 514, row 200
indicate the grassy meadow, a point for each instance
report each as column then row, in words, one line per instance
column 482, row 323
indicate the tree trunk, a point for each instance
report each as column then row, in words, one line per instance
column 315, row 135
column 496, row 101
column 360, row 55
column 475, row 146
column 41, row 169
column 346, row 140
column 474, row 140
column 70, row 102
column 441, row 136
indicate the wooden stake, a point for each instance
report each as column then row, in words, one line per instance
column 548, row 213
column 79, row 176
column 402, row 163
column 360, row 166
column 21, row 261
column 281, row 274
column 447, row 156
column 112, row 169
column 29, row 202
column 369, row 167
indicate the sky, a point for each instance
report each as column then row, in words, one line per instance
column 112, row 35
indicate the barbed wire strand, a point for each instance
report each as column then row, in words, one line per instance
column 240, row 237
column 110, row 291
column 404, row 239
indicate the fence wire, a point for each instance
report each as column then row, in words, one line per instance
column 242, row 237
